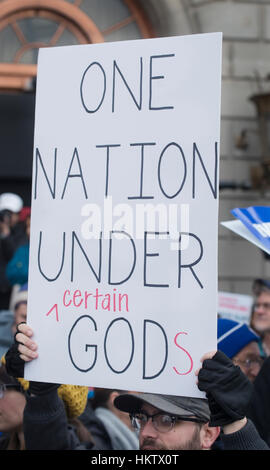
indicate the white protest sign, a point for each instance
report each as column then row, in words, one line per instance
column 235, row 307
column 123, row 254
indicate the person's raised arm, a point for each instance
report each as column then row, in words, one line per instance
column 229, row 393
column 45, row 421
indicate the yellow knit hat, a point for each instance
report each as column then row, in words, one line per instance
column 73, row 396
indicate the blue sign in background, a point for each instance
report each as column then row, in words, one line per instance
column 256, row 215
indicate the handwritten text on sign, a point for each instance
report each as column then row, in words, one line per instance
column 122, row 283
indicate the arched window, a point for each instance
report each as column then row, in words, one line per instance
column 27, row 25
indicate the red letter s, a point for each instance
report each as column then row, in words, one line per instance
column 190, row 358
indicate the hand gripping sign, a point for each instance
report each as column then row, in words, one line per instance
column 123, row 255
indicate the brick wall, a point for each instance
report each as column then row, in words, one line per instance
column 246, row 64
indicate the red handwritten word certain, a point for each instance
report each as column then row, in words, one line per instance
column 115, row 302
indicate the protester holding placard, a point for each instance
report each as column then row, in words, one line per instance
column 241, row 344
column 260, row 318
column 110, row 300
column 12, row 403
column 228, row 391
column 66, row 400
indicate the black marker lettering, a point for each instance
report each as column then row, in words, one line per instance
column 110, row 258
column 107, row 164
column 76, row 175
column 87, row 346
column 51, row 279
column 193, row 263
column 132, row 345
column 142, row 169
column 52, row 187
column 144, row 349
column 213, row 187
column 159, row 170
column 103, row 78
column 156, row 77
column 96, row 274
column 146, row 254
column 138, row 102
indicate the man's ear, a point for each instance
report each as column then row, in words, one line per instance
column 209, row 436
column 111, row 398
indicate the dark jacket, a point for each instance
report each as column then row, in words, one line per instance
column 96, row 428
column 45, row 424
column 8, row 246
column 245, row 439
column 259, row 410
column 4, row 440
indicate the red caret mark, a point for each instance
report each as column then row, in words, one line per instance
column 190, row 358
column 56, row 311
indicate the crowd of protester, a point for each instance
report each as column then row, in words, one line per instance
column 235, row 413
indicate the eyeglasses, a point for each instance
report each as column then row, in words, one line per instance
column 162, row 422
column 250, row 362
column 264, row 305
column 5, row 387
